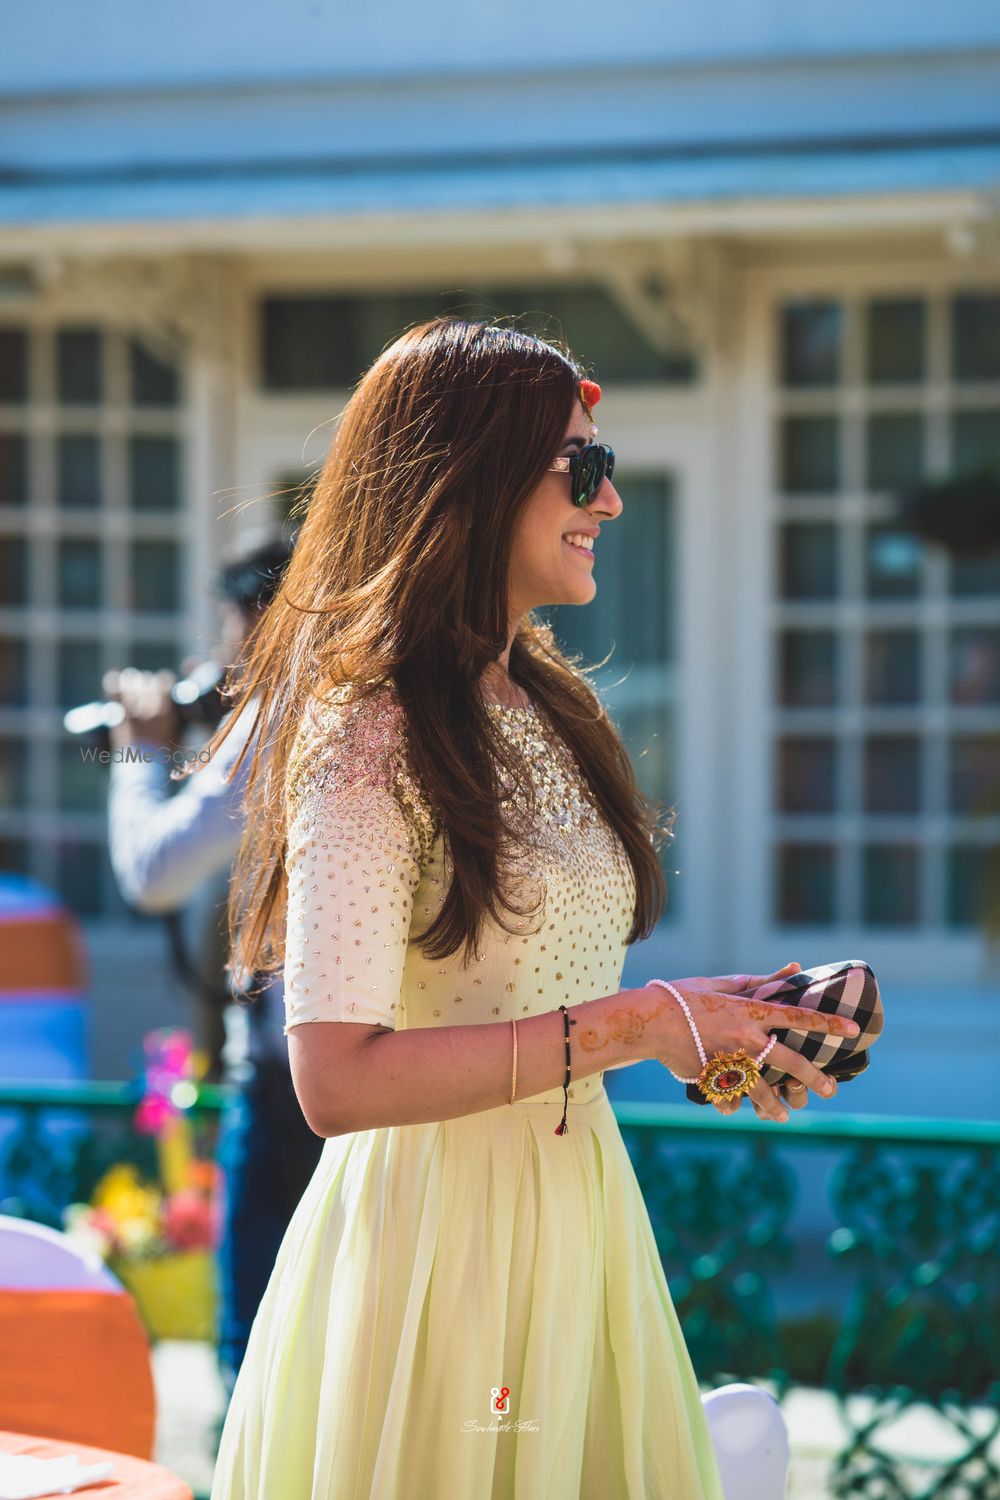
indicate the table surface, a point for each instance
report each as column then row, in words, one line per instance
column 134, row 1479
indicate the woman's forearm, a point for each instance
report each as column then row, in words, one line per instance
column 440, row 1073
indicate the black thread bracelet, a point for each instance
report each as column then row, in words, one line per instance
column 563, row 1127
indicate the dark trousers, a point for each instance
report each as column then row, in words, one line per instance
column 268, row 1154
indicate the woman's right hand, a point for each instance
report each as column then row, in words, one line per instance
column 728, row 1018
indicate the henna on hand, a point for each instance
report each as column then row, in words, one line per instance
column 626, row 1024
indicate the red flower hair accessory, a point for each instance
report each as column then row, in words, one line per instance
column 590, row 392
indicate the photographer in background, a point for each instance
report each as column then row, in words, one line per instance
column 174, row 852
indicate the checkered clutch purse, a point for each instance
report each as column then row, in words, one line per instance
column 847, row 989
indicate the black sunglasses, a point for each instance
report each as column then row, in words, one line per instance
column 587, row 470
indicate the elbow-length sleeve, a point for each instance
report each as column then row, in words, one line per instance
column 359, row 835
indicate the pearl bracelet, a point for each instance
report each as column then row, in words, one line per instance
column 665, row 984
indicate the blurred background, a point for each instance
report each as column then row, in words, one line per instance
column 772, row 232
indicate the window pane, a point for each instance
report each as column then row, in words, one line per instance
column 154, row 472
column 82, row 782
column 632, row 609
column 13, row 772
column 79, row 865
column 79, row 574
column 892, row 666
column 13, row 570
column 13, row 468
column 647, row 731
column 291, row 491
column 975, row 439
column 153, row 382
column 975, row 337
column 13, row 365
column 308, row 343
column 894, row 450
column 807, row 673
column 809, row 561
column 13, row 673
column 809, row 460
column 972, row 577
column 153, row 583
column 153, row 656
column 895, row 340
column 13, row 856
column 974, row 665
column 598, row 331
column 892, row 774
column 894, row 563
column 317, row 342
column 806, row 883
column 810, row 343
column 79, row 373
column 79, row 672
column 974, row 783
column 972, row 876
column 79, row 483
column 890, row 884
column 807, row 775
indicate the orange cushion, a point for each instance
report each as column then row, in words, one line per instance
column 76, row 1366
column 42, row 954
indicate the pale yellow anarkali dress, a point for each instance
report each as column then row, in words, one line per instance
column 427, row 1265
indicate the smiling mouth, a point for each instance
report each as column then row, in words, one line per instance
column 583, row 551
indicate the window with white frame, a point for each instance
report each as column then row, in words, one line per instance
column 91, row 576
column 886, row 649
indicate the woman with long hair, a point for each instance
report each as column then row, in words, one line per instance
column 448, row 854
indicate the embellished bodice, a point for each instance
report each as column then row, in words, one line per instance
column 368, row 871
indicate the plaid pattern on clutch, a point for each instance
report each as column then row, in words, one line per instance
column 847, row 989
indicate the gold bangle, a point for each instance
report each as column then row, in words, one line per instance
column 513, row 1076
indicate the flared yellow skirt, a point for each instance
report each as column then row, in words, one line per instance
column 428, row 1267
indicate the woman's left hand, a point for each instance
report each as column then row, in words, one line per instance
column 794, row 1094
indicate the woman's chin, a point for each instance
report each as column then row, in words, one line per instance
column 582, row 592
column 579, row 591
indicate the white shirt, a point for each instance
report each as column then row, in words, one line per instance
column 162, row 847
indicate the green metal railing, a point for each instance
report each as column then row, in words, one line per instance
column 48, row 1161
column 857, row 1253
column 908, row 1287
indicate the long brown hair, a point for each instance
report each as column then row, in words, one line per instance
column 400, row 575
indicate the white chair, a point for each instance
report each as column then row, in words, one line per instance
column 33, row 1256
column 750, row 1440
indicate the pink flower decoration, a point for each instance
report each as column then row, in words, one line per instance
column 590, row 392
column 188, row 1221
column 152, row 1113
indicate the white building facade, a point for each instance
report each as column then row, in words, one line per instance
column 776, row 238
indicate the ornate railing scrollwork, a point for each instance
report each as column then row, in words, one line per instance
column 912, row 1258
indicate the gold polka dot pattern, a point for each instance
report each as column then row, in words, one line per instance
column 367, row 873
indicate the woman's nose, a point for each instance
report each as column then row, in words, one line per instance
column 607, row 502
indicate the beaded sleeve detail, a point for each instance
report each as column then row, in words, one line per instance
column 358, row 743
column 359, row 834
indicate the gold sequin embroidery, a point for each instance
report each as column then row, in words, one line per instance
column 367, row 871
